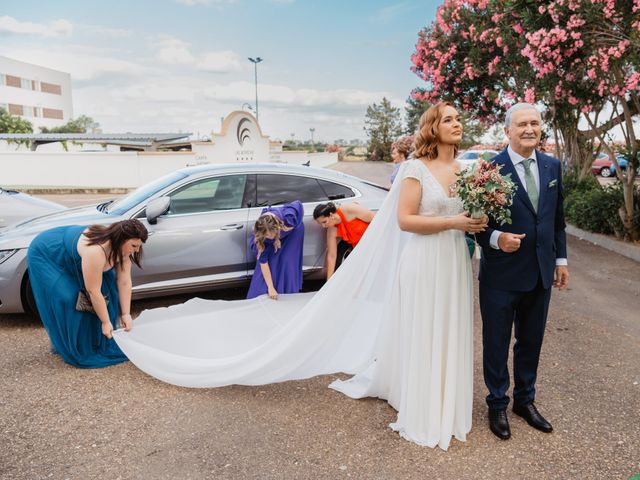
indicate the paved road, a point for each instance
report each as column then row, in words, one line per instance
column 60, row 422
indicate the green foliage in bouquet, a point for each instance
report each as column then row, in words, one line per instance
column 484, row 190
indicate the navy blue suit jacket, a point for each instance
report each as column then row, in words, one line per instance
column 545, row 231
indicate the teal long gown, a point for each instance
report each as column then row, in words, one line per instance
column 55, row 271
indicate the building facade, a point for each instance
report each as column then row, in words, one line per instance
column 37, row 94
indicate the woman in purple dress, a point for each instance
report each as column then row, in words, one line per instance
column 278, row 237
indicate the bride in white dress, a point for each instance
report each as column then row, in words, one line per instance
column 398, row 312
column 424, row 365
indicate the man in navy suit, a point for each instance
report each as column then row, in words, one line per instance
column 519, row 265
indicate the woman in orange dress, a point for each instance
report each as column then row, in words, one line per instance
column 345, row 227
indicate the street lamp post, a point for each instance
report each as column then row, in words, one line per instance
column 312, row 130
column 255, row 62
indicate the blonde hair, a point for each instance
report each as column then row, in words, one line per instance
column 265, row 224
column 427, row 139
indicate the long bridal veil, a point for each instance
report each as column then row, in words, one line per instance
column 211, row 343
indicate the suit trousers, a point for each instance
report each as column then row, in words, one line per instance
column 527, row 312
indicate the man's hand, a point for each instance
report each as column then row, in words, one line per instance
column 561, row 277
column 510, row 242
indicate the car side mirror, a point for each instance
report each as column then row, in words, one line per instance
column 157, row 207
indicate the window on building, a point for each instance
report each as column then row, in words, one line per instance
column 50, row 88
column 12, row 81
column 28, row 111
column 26, row 84
column 16, row 109
column 3, row 80
column 52, row 113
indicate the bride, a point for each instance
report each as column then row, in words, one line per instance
column 398, row 313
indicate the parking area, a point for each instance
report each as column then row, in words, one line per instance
column 60, row 422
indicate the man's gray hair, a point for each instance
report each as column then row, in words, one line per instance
column 515, row 108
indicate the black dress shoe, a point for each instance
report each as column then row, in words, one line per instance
column 532, row 416
column 499, row 424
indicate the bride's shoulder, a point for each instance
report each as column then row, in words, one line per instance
column 413, row 169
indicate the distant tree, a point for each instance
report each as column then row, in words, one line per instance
column 472, row 130
column 413, row 110
column 13, row 124
column 78, row 125
column 383, row 126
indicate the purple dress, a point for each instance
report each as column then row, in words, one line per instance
column 286, row 263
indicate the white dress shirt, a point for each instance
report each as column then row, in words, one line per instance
column 518, row 163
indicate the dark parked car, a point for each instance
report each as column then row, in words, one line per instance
column 199, row 221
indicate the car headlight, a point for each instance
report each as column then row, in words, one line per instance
column 6, row 254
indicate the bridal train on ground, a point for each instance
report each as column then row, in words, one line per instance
column 398, row 314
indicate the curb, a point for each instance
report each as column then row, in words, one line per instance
column 625, row 249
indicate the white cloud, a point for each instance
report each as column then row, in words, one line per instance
column 155, row 91
column 284, row 95
column 173, row 51
column 82, row 63
column 220, row 62
column 55, row 28
column 106, row 31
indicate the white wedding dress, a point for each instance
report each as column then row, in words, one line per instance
column 424, row 364
column 397, row 313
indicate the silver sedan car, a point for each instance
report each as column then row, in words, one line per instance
column 16, row 206
column 199, row 221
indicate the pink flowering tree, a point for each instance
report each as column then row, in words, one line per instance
column 577, row 58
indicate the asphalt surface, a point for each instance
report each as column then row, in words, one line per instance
column 60, row 422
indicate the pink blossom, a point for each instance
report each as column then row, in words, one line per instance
column 530, row 95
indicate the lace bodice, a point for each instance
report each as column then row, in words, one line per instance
column 435, row 201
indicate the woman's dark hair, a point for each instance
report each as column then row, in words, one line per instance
column 324, row 210
column 118, row 233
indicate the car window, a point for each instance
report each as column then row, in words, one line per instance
column 335, row 191
column 143, row 193
column 274, row 189
column 217, row 193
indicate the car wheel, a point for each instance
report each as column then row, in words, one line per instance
column 605, row 172
column 28, row 300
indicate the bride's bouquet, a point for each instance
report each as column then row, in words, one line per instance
column 483, row 190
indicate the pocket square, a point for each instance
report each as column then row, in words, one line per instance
column 553, row 183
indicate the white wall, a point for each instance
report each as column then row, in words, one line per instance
column 87, row 170
column 110, row 170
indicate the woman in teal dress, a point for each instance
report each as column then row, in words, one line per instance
column 98, row 258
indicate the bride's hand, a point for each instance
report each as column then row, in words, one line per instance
column 465, row 223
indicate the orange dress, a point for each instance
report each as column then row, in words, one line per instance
column 350, row 231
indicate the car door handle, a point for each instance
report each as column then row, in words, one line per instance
column 232, row 226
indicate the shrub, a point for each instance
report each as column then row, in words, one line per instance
column 595, row 208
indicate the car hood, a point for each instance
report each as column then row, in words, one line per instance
column 21, row 234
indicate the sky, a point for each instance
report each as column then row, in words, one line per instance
column 182, row 65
